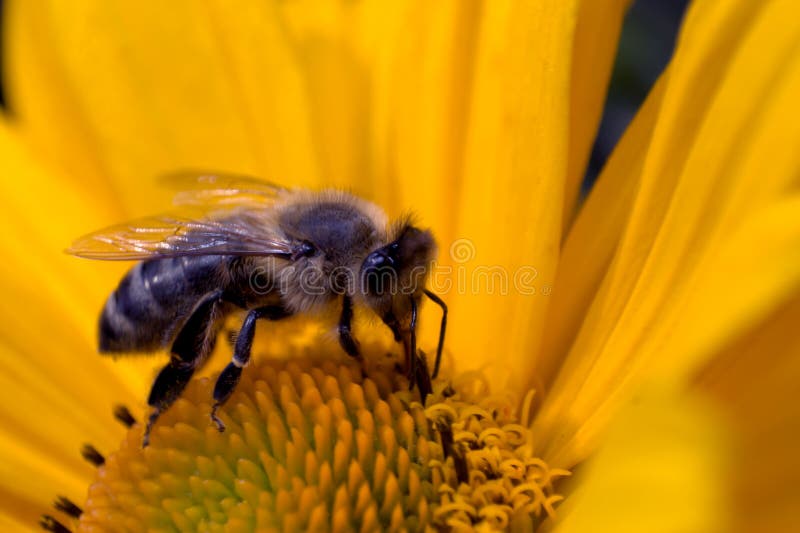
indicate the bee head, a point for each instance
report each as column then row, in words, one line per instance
column 398, row 268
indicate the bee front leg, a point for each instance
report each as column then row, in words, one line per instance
column 190, row 348
column 348, row 343
column 411, row 356
column 393, row 324
column 229, row 378
column 416, row 367
column 423, row 377
column 418, row 372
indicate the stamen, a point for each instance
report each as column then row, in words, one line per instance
column 48, row 523
column 446, row 435
column 65, row 505
column 460, row 462
column 91, row 454
column 122, row 414
column 489, row 476
column 527, row 405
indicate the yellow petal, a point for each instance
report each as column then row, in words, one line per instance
column 755, row 380
column 661, row 468
column 719, row 166
column 422, row 94
column 596, row 37
column 56, row 391
column 445, row 87
column 35, row 472
column 44, row 286
column 108, row 92
column 10, row 523
column 595, row 234
column 343, row 48
column 762, row 261
column 42, row 99
column 509, row 209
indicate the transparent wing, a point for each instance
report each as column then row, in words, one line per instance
column 242, row 233
column 220, row 189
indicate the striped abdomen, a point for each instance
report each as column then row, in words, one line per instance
column 154, row 298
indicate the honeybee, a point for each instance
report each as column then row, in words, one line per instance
column 242, row 243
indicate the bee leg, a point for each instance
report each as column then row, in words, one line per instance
column 346, row 340
column 423, row 377
column 411, row 356
column 229, row 378
column 393, row 324
column 192, row 345
column 438, row 301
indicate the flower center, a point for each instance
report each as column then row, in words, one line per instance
column 317, row 445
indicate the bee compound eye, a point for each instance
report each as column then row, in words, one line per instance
column 305, row 249
column 379, row 274
column 376, row 260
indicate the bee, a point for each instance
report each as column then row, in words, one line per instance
column 244, row 244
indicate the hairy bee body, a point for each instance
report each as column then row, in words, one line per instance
column 157, row 295
column 286, row 252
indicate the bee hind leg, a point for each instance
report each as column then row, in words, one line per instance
column 190, row 348
column 229, row 378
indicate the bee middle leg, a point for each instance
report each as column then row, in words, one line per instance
column 229, row 378
column 191, row 347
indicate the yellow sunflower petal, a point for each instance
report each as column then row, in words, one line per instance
column 48, row 106
column 596, row 37
column 595, row 234
column 36, row 471
column 446, row 82
column 106, row 91
column 720, row 162
column 10, row 523
column 513, row 187
column 755, row 379
column 56, row 391
column 343, row 49
column 661, row 468
column 47, row 286
column 423, row 90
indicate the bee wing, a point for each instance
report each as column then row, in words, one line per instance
column 220, row 189
column 242, row 233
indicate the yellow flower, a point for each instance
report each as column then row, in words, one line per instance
column 657, row 324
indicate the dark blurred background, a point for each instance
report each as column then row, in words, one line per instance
column 648, row 37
